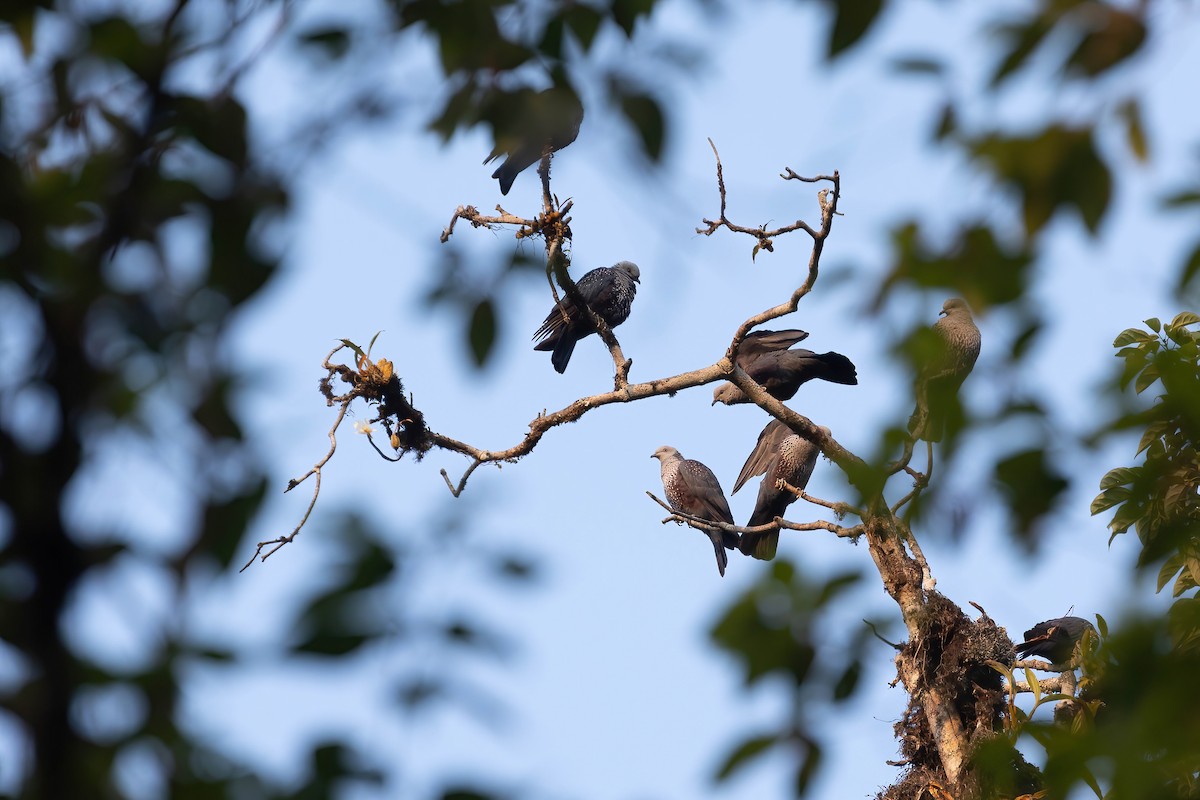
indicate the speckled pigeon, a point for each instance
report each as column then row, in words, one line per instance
column 551, row 119
column 781, row 371
column 692, row 488
column 608, row 291
column 958, row 344
column 780, row 454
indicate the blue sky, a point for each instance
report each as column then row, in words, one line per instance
column 613, row 690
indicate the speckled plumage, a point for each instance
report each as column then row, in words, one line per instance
column 1054, row 639
column 958, row 345
column 781, row 371
column 779, row 454
column 609, row 291
column 692, row 488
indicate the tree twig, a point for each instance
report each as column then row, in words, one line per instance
column 778, row 524
column 294, row 482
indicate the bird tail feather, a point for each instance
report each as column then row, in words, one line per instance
column 719, row 549
column 563, row 349
column 839, row 369
column 762, row 546
column 506, row 175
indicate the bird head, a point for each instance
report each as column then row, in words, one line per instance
column 666, row 453
column 630, row 269
column 954, row 304
column 726, row 393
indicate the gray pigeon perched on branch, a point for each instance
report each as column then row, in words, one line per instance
column 550, row 120
column 781, row 371
column 956, row 347
column 1054, row 639
column 608, row 291
column 780, row 454
column 691, row 488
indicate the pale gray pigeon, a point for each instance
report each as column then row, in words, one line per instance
column 957, row 348
column 608, row 291
column 780, row 454
column 692, row 488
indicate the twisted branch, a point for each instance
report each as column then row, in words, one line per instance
column 779, row 523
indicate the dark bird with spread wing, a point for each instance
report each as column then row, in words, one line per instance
column 780, row 454
column 1054, row 639
column 765, row 357
column 549, row 121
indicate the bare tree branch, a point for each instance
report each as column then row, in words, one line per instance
column 778, row 524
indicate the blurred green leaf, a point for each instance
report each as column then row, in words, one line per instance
column 809, row 762
column 23, row 23
column 847, row 682
column 333, row 41
column 1181, row 199
column 851, row 21
column 1135, row 129
column 551, row 43
column 1021, row 40
column 466, row 793
column 1111, row 35
column 217, row 124
column 947, row 124
column 1054, row 169
column 745, row 753
column 117, row 38
column 481, row 331
column 225, row 525
column 646, row 116
column 918, row 65
column 626, row 13
column 584, row 22
column 974, row 265
column 1032, row 486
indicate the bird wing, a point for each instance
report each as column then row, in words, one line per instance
column 594, row 287
column 793, row 461
column 759, row 342
column 1046, row 638
column 763, row 453
column 705, row 492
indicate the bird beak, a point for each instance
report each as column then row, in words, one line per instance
column 943, row 313
column 714, row 402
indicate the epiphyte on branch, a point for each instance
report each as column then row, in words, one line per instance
column 548, row 121
column 780, row 454
column 954, row 351
column 608, row 291
column 692, row 488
